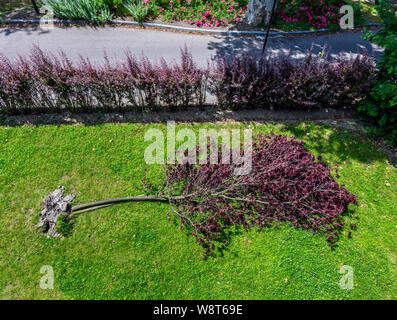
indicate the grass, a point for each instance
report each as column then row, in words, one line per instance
column 132, row 251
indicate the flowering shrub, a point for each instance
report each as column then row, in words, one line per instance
column 205, row 13
column 286, row 184
column 277, row 83
column 316, row 13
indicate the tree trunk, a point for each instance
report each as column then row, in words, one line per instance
column 258, row 11
column 36, row 9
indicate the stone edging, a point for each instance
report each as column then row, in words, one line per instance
column 191, row 115
column 178, row 28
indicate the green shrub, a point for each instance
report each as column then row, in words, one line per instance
column 140, row 10
column 92, row 11
column 381, row 104
column 113, row 5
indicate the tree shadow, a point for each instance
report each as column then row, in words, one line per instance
column 345, row 44
column 7, row 30
column 342, row 144
column 338, row 133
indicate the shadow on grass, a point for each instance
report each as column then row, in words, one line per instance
column 338, row 133
column 343, row 145
column 349, row 218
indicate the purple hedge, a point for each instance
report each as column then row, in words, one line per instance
column 278, row 83
column 46, row 82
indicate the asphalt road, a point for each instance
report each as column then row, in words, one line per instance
column 90, row 42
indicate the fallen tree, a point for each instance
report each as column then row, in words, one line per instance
column 285, row 184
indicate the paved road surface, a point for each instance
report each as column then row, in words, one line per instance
column 155, row 44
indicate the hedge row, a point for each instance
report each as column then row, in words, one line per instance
column 281, row 84
column 47, row 82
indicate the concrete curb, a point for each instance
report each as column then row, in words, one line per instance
column 181, row 29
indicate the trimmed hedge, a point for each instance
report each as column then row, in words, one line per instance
column 278, row 83
column 45, row 82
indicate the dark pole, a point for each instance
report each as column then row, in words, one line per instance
column 268, row 27
column 36, row 8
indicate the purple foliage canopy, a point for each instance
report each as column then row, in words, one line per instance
column 286, row 184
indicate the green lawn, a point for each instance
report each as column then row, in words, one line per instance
column 132, row 251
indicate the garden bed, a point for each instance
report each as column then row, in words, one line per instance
column 28, row 13
column 286, row 19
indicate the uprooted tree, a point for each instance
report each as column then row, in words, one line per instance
column 285, row 184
